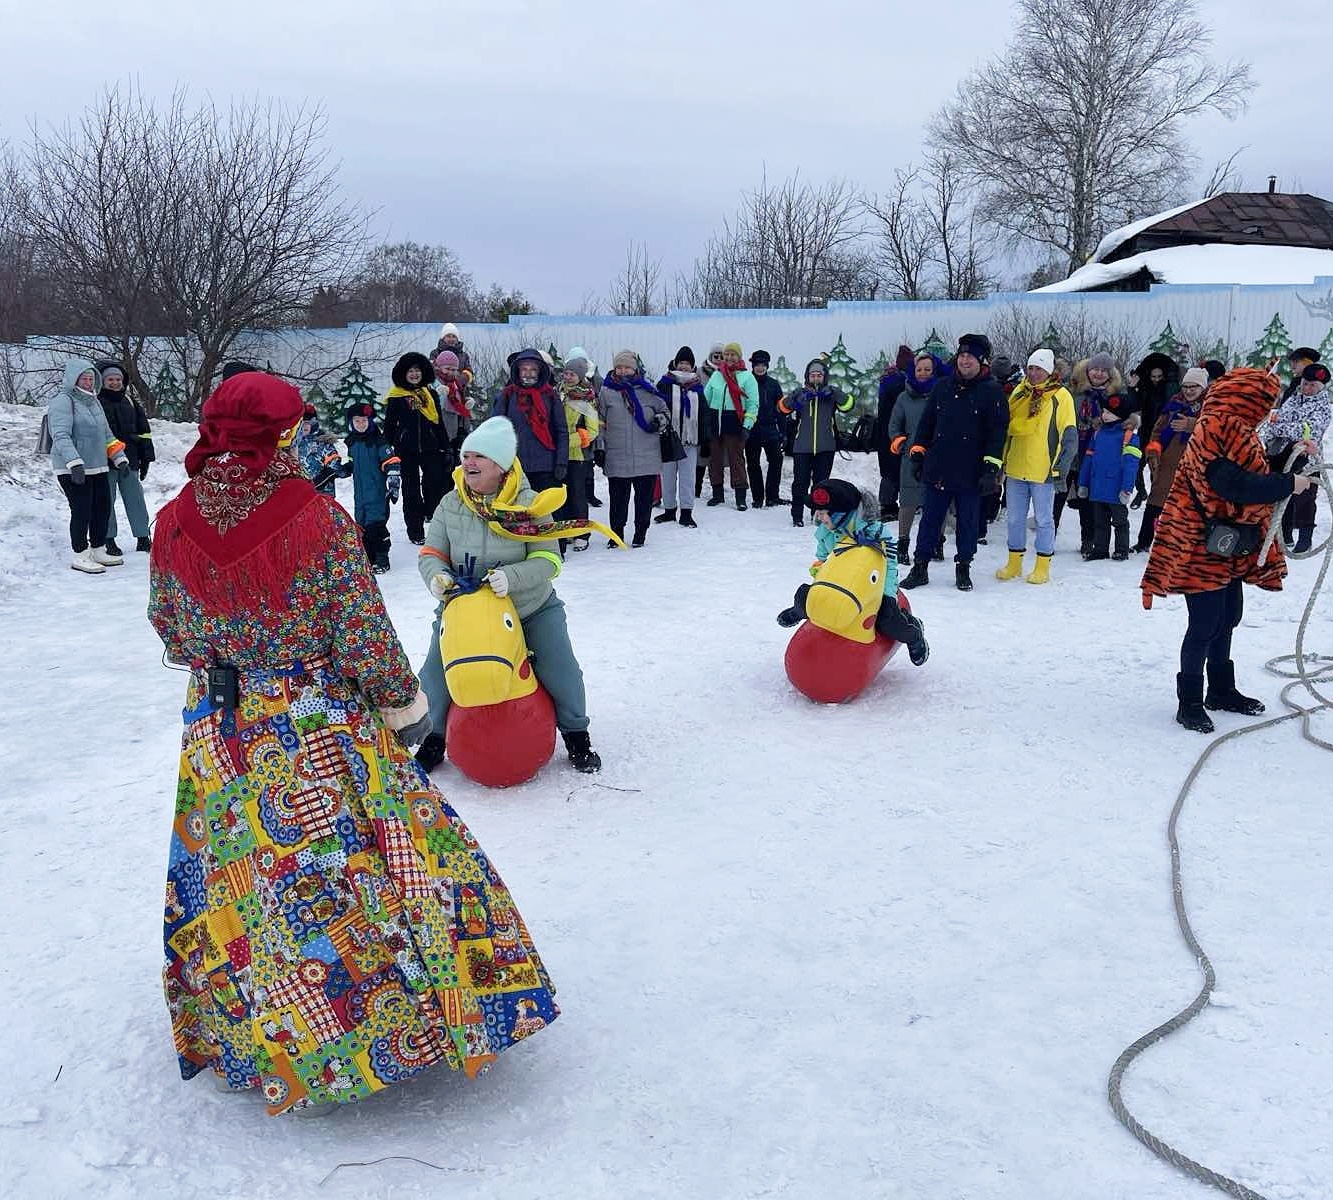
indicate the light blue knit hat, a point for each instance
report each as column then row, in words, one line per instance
column 495, row 439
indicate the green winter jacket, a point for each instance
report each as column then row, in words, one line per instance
column 725, row 419
column 456, row 532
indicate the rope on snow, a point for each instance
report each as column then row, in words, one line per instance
column 1304, row 670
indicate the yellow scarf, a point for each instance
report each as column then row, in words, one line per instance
column 422, row 399
column 518, row 522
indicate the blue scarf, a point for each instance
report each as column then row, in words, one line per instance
column 668, row 381
column 629, row 389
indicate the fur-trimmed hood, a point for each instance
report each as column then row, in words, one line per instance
column 1078, row 379
column 406, row 363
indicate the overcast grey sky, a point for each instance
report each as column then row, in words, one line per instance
column 538, row 137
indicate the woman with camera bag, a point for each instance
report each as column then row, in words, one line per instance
column 1209, row 537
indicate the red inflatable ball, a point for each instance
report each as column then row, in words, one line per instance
column 830, row 669
column 500, row 745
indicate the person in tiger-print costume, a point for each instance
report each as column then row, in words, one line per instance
column 1225, row 468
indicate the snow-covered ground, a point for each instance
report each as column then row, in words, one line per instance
column 884, row 950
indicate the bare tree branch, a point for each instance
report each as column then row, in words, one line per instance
column 636, row 291
column 1082, row 118
column 793, row 246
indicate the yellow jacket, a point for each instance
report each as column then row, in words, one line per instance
column 583, row 422
column 1042, row 445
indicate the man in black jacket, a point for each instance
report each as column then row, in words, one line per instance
column 956, row 454
column 766, row 437
column 129, row 424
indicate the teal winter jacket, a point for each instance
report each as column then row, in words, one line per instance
column 80, row 435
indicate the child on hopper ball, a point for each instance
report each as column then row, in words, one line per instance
column 845, row 514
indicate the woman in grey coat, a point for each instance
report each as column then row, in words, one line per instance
column 903, row 420
column 83, row 451
column 634, row 417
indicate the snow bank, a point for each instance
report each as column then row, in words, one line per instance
column 1215, row 264
column 1118, row 237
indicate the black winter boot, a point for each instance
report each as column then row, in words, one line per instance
column 1222, row 695
column 665, row 516
column 904, row 551
column 919, row 650
column 938, row 556
column 1190, row 712
column 741, row 506
column 430, row 754
column 110, row 547
column 1304, row 540
column 143, row 545
column 917, row 577
column 581, row 754
column 687, row 519
column 962, row 576
column 717, row 498
column 796, row 613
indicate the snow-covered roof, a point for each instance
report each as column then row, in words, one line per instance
column 1206, row 264
column 1118, row 237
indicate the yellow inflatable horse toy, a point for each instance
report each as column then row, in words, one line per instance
column 845, row 595
column 836, row 652
column 501, row 723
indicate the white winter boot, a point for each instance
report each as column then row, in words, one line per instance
column 83, row 561
column 99, row 554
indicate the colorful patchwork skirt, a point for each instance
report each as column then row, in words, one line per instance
column 332, row 927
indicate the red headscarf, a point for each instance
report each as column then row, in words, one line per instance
column 249, row 518
column 245, row 418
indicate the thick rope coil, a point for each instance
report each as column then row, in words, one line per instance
column 1304, row 670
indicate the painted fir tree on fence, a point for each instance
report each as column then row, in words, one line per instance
column 937, row 346
column 331, row 418
column 867, row 393
column 1274, row 342
column 785, row 376
column 842, row 371
column 354, row 388
column 1169, row 344
column 170, row 396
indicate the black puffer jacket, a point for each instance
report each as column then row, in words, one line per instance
column 405, row 425
column 128, row 421
column 964, row 424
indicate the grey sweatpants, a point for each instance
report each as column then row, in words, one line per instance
column 553, row 662
column 131, row 494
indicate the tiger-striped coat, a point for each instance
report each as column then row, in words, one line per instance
column 1179, row 561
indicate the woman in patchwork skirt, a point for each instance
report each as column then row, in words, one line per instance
column 331, row 925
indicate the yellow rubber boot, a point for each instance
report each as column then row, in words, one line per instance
column 1041, row 573
column 1014, row 567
